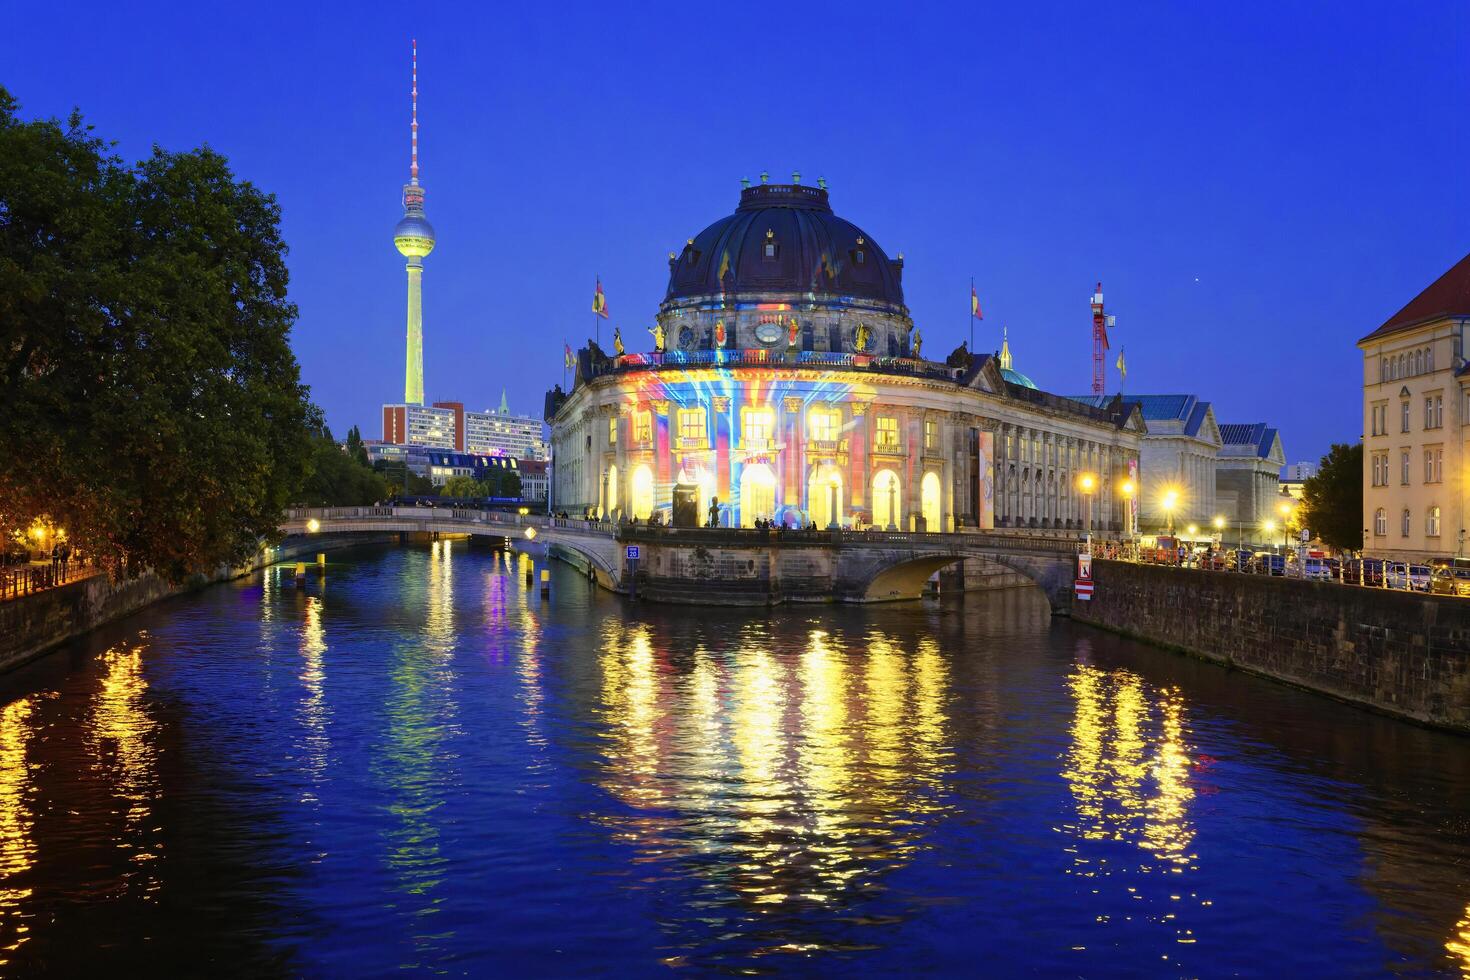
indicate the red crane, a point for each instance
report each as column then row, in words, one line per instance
column 1100, row 323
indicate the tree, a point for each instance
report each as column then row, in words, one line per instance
column 402, row 480
column 1332, row 501
column 337, row 479
column 500, row 483
column 355, row 448
column 461, row 486
column 149, row 399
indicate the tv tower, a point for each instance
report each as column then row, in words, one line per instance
column 414, row 238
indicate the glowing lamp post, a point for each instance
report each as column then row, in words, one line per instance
column 832, row 505
column 1129, row 488
column 313, row 526
column 1270, row 528
column 1170, row 501
column 1087, row 483
column 1219, row 523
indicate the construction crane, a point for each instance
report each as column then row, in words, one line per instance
column 1100, row 323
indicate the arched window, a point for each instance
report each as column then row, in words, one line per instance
column 887, row 502
column 929, row 501
column 1382, row 369
column 1403, row 366
column 1431, row 522
column 641, row 502
column 1380, row 522
column 1404, row 524
column 1429, row 360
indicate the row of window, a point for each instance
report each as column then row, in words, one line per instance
column 1433, row 415
column 1406, row 522
column 1406, row 365
column 1433, row 467
column 757, row 428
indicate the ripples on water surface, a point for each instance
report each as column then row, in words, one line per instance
column 420, row 766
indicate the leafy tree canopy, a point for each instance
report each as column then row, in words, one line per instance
column 150, row 402
column 1332, row 500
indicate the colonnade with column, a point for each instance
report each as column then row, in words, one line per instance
column 1038, row 479
column 747, row 455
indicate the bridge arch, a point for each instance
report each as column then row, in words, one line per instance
column 904, row 576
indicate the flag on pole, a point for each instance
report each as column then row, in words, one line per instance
column 1122, row 364
column 567, row 357
column 975, row 304
column 599, row 301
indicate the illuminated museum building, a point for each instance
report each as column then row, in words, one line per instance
column 788, row 381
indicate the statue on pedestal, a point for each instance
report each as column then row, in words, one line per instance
column 918, row 344
column 658, row 336
column 860, row 339
column 618, row 341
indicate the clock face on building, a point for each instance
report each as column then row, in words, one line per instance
column 686, row 338
column 768, row 333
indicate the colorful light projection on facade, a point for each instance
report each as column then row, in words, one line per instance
column 792, row 445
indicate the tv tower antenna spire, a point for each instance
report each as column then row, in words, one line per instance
column 413, row 169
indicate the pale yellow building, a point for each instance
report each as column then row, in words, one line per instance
column 1416, row 420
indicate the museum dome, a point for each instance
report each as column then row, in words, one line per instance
column 784, row 239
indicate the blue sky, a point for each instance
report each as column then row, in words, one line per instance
column 1257, row 185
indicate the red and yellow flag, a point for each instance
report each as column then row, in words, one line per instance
column 599, row 301
column 975, row 304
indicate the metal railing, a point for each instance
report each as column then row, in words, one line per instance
column 24, row 580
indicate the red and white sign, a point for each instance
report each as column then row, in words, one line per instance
column 1084, row 588
column 1083, row 583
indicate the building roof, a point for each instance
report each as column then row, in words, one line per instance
column 816, row 252
column 1187, row 410
column 1447, row 296
column 1247, row 439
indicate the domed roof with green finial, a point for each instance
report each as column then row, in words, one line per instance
column 1006, row 371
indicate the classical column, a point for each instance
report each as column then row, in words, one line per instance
column 724, row 442
column 792, row 476
column 663, row 455
column 858, row 462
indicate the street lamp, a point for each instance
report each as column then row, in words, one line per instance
column 892, row 504
column 1170, row 501
column 1219, row 523
column 1270, row 528
column 1285, row 508
column 1087, row 483
column 1129, row 488
column 313, row 526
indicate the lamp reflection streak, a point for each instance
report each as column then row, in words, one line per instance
column 775, row 785
column 17, row 819
column 122, row 735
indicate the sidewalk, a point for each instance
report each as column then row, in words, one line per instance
column 23, row 580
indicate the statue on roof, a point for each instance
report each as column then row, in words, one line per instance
column 960, row 357
column 618, row 341
column 658, row 337
column 918, row 345
column 861, row 337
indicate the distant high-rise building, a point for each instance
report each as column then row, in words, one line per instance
column 501, row 433
column 414, row 239
column 1297, row 472
column 419, row 425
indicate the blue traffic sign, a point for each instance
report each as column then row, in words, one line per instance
column 632, row 552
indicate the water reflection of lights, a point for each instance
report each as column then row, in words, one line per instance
column 1458, row 945
column 122, row 734
column 1129, row 782
column 774, row 783
column 17, row 849
column 313, row 711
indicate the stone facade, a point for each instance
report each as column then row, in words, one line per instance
column 1397, row 652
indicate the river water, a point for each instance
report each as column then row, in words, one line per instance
column 419, row 764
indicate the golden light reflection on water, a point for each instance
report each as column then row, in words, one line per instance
column 774, row 783
column 1128, row 765
column 123, row 734
column 1458, row 945
column 17, row 848
column 313, row 711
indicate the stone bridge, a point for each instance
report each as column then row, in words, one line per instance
column 727, row 566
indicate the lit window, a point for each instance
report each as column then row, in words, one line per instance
column 643, row 428
column 756, row 426
column 691, row 427
column 612, row 431
column 822, row 425
column 1431, row 523
column 887, row 432
column 1380, row 522
column 931, row 434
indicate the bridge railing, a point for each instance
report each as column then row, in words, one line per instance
column 456, row 515
column 988, row 540
column 591, row 527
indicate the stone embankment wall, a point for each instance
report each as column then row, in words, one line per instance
column 1403, row 653
column 35, row 624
